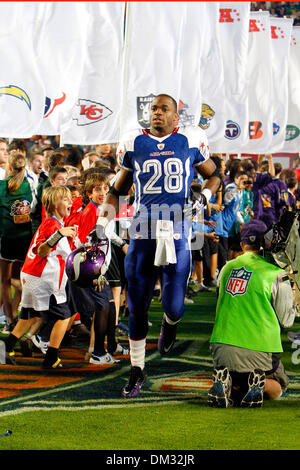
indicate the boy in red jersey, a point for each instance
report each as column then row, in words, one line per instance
column 43, row 276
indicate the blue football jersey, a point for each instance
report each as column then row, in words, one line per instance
column 162, row 167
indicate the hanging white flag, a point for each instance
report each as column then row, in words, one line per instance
column 260, row 94
column 234, row 34
column 153, row 62
column 96, row 114
column 292, row 138
column 213, row 118
column 281, row 29
column 61, row 51
column 21, row 88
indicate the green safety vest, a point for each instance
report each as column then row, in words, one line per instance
column 245, row 316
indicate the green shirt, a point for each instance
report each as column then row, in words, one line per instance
column 15, row 210
column 245, row 316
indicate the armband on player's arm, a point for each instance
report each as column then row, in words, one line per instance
column 115, row 192
column 54, row 239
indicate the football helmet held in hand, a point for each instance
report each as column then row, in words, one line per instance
column 87, row 263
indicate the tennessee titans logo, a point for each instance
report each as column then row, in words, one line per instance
column 232, row 131
column 50, row 104
column 238, row 281
column 17, row 92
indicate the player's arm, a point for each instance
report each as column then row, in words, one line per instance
column 210, row 174
column 110, row 207
column 200, row 199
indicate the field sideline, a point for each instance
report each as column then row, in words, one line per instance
column 80, row 407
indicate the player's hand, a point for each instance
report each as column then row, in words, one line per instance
column 69, row 232
column 217, row 207
column 191, row 211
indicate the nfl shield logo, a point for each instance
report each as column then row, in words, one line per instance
column 238, row 281
column 160, row 146
column 143, row 104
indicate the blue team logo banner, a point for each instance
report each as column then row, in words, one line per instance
column 143, row 104
column 238, row 281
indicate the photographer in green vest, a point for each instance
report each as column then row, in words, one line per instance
column 255, row 297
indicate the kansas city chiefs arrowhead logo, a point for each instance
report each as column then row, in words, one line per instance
column 89, row 112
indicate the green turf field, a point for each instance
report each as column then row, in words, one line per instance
column 81, row 407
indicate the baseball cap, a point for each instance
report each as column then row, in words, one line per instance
column 253, row 232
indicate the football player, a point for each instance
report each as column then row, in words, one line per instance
column 160, row 161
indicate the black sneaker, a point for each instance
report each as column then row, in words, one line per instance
column 167, row 337
column 10, row 358
column 254, row 396
column 56, row 365
column 133, row 387
column 26, row 346
column 219, row 393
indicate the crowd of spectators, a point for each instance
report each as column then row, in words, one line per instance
column 251, row 188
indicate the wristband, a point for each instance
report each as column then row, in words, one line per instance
column 54, row 239
column 207, row 193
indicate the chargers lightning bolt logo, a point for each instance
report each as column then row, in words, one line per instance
column 17, row 92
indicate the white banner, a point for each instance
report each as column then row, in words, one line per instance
column 61, row 51
column 292, row 139
column 162, row 56
column 234, row 34
column 260, row 94
column 281, row 29
column 96, row 114
column 213, row 119
column 22, row 93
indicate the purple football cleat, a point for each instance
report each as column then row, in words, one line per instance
column 167, row 337
column 133, row 387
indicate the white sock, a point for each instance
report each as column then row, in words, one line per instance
column 137, row 352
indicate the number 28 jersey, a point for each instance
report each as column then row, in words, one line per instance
column 162, row 167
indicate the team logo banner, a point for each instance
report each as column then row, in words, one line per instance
column 281, row 29
column 260, row 103
column 60, row 55
column 213, row 91
column 292, row 131
column 165, row 62
column 238, row 281
column 233, row 28
column 96, row 114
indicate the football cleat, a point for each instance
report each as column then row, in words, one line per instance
column 255, row 395
column 167, row 337
column 136, row 380
column 219, row 393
